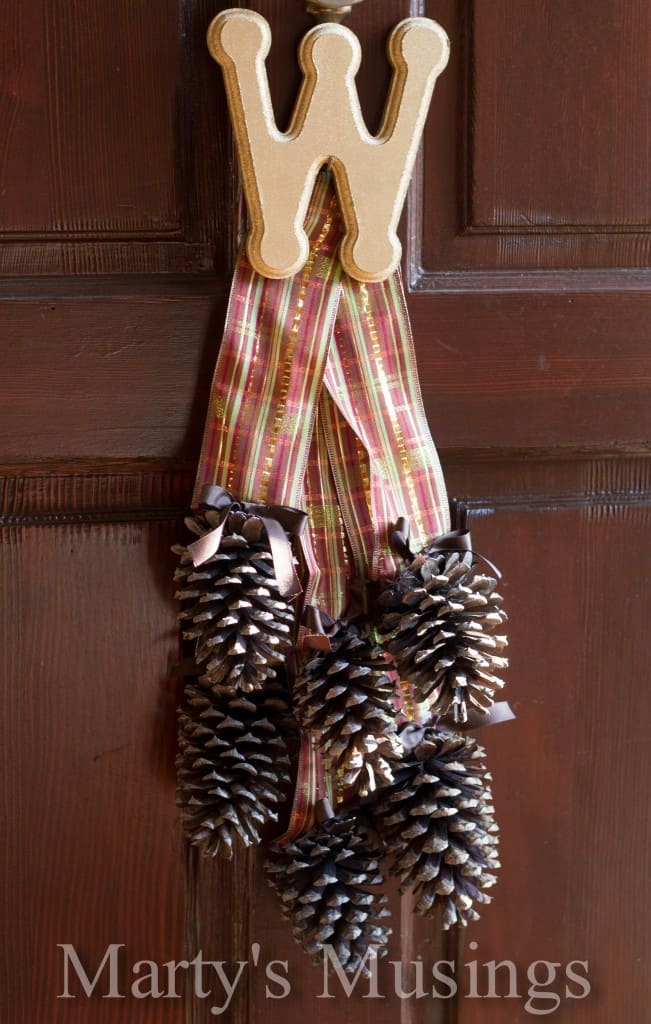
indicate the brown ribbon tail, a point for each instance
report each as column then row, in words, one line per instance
column 289, row 584
column 455, row 540
column 491, row 565
column 319, row 627
column 323, row 811
column 207, row 546
column 400, row 539
column 294, row 520
column 501, row 711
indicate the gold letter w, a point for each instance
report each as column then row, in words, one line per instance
column 371, row 173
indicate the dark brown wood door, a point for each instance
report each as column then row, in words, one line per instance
column 527, row 260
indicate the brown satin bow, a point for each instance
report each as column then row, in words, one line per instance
column 412, row 733
column 279, row 521
column 455, row 540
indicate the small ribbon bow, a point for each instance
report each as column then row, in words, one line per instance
column 412, row 733
column 455, row 540
column 280, row 522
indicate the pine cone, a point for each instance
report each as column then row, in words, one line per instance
column 439, row 622
column 241, row 624
column 328, row 882
column 437, row 820
column 345, row 696
column 233, row 765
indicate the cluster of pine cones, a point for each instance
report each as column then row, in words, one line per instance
column 235, row 728
column 417, row 797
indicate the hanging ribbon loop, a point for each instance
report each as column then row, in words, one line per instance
column 280, row 523
column 455, row 540
column 461, row 540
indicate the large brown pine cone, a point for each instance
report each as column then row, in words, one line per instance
column 345, row 696
column 241, row 625
column 233, row 765
column 437, row 820
column 439, row 622
column 328, row 881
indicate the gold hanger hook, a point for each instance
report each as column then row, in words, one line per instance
column 331, row 10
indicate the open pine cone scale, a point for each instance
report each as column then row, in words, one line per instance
column 345, row 697
column 438, row 624
column 241, row 626
column 233, row 765
column 328, row 882
column 437, row 820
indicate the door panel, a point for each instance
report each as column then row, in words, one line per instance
column 92, row 854
column 526, row 256
column 537, row 151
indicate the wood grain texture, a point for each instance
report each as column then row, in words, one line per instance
column 575, row 62
column 79, row 377
column 130, row 377
column 105, row 166
column 568, row 780
column 105, row 491
column 521, row 169
column 535, row 370
column 91, row 850
column 94, row 492
column 90, row 145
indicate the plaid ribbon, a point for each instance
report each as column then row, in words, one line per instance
column 315, row 404
column 312, row 785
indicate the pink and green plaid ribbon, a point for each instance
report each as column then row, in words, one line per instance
column 315, row 403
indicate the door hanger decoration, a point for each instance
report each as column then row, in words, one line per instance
column 345, row 641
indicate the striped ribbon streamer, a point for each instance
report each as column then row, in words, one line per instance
column 270, row 368
column 313, row 783
column 315, row 403
column 375, row 418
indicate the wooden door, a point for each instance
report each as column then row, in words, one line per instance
column 526, row 257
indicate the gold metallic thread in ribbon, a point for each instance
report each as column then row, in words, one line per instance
column 313, row 795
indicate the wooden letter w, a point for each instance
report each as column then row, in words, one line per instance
column 371, row 172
